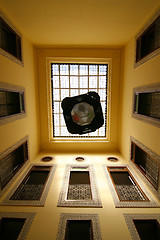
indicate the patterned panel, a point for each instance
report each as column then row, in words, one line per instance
column 61, row 235
column 20, row 215
column 129, row 193
column 79, row 192
column 152, row 201
column 152, row 170
column 129, row 218
column 28, row 192
column 79, row 196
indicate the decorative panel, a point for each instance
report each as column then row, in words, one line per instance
column 79, row 222
column 15, row 225
column 131, row 194
column 31, row 190
column 143, row 226
column 79, row 188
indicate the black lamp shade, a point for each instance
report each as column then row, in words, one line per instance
column 83, row 113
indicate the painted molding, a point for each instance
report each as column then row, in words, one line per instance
column 153, row 54
column 8, row 151
column 131, row 226
column 14, row 117
column 75, row 216
column 94, row 202
column 141, row 89
column 3, row 52
column 25, row 229
column 42, row 200
column 130, row 204
column 153, row 155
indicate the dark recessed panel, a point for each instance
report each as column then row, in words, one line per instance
column 148, row 229
column 11, row 163
column 147, row 164
column 10, row 41
column 78, row 229
column 10, row 228
column 126, row 186
column 79, row 186
column 32, row 186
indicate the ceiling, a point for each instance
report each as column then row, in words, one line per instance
column 79, row 22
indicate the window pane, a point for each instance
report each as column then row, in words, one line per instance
column 74, row 82
column 83, row 69
column 56, row 131
column 64, row 131
column 55, row 81
column 56, row 94
column 64, row 81
column 102, row 94
column 64, row 93
column 56, row 119
column 55, row 69
column 93, row 70
column 64, row 69
column 103, row 105
column 83, row 91
column 92, row 82
column 62, row 122
column 102, row 81
column 74, row 92
column 56, row 107
column 95, row 134
column 83, row 82
column 102, row 70
column 73, row 69
column 102, row 132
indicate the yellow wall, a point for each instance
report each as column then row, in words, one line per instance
column 13, row 73
column 145, row 74
column 114, row 56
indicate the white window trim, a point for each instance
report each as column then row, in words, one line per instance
column 50, row 60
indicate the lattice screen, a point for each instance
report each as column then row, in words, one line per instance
column 70, row 80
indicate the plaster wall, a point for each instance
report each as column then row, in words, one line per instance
column 25, row 76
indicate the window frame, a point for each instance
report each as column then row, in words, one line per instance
column 144, row 89
column 18, row 89
column 63, row 60
column 121, row 204
column 152, row 155
column 28, row 216
column 21, row 168
column 142, row 31
column 125, row 169
column 7, row 200
column 64, row 217
column 95, row 201
column 129, row 218
column 17, row 35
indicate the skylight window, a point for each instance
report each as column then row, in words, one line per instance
column 69, row 80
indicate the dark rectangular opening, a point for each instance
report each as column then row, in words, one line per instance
column 148, row 104
column 146, row 164
column 11, row 103
column 149, row 40
column 10, row 228
column 79, row 186
column 79, row 229
column 148, row 229
column 126, row 186
column 33, row 185
column 79, row 177
column 10, row 164
column 10, row 41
